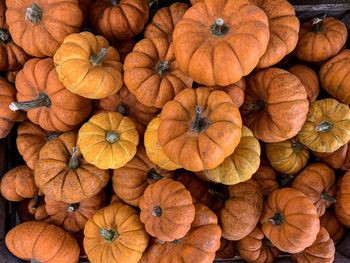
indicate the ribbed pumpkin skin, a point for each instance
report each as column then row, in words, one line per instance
column 42, row 242
column 334, row 75
column 299, row 225
column 266, row 176
column 199, row 244
column 342, row 206
column 329, row 137
column 334, row 228
column 340, row 159
column 242, row 210
column 235, row 91
column 130, row 240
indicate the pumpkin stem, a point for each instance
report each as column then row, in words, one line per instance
column 277, row 219
column 297, row 146
column 123, row 109
column 74, row 161
column 34, row 13
column 52, row 135
column 219, row 28
column 109, row 235
column 317, row 23
column 153, row 176
column 162, row 67
column 157, row 211
column 96, row 60
column 4, row 36
column 112, row 137
column 199, row 122
column 326, row 197
column 259, row 106
column 324, row 126
column 72, row 207
column 42, row 101
column 285, row 180
column 115, row 2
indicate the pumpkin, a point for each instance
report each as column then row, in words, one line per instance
column 167, row 210
column 227, row 249
column 334, row 74
column 88, row 66
column 119, row 19
column 290, row 220
column 151, row 72
column 275, row 105
column 7, row 116
column 30, row 139
column 63, row 174
column 239, row 166
column 18, row 184
column 322, row 250
column 154, row 150
column 257, row 248
column 165, row 20
column 115, row 234
column 199, row 128
column 24, row 211
column 340, row 159
column 126, row 104
column 327, row 127
column 73, row 217
column 115, row 199
column 193, row 2
column 284, row 29
column 334, row 228
column 320, row 39
column 309, row 79
column 42, row 243
column 224, row 41
column 31, row 209
column 342, row 206
column 242, row 210
column 12, row 57
column 108, row 140
column 130, row 181
column 47, row 102
column 288, row 156
column 235, row 91
column 124, row 47
column 198, row 245
column 39, row 27
column 317, row 182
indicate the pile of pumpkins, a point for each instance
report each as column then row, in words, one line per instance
column 183, row 137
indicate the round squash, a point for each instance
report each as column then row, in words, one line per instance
column 47, row 102
column 227, row 249
column 63, row 174
column 275, row 105
column 88, row 66
column 235, row 91
column 342, row 206
column 320, row 39
column 108, row 140
column 119, row 19
column 288, row 156
column 151, row 72
column 39, row 27
column 41, row 242
column 334, row 228
column 290, row 220
column 199, row 128
column 242, row 210
column 327, row 127
column 223, row 41
column 340, row 159
column 115, row 234
column 239, row 166
column 130, row 181
column 167, row 210
column 334, row 76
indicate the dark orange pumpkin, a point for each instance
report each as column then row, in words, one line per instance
column 342, row 206
column 334, row 228
column 340, row 159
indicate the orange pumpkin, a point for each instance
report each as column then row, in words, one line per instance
column 342, row 206
column 340, row 159
column 235, row 91
column 334, row 228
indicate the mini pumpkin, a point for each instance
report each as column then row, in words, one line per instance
column 257, row 248
column 151, row 72
column 198, row 245
column 334, row 228
column 63, row 174
column 47, row 102
column 131, row 180
column 39, row 27
column 242, row 210
column 327, row 127
column 340, row 159
column 199, row 128
column 342, row 206
column 227, row 249
column 275, row 105
column 334, row 74
column 115, row 231
column 42, row 243
column 320, row 39
column 88, row 66
column 119, row 19
column 108, row 140
column 290, row 220
column 224, row 41
column 167, row 210
column 288, row 156
column 36, row 208
column 235, row 91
